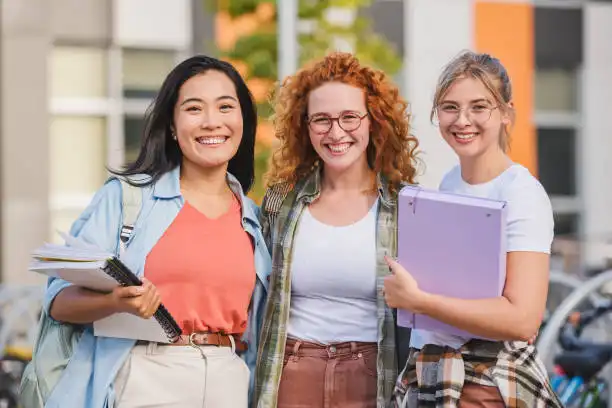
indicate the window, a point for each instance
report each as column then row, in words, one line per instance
column 144, row 71
column 558, row 58
column 143, row 74
column 78, row 72
column 77, row 144
column 556, row 89
column 557, row 160
column 558, row 37
column 566, row 224
column 80, row 105
column 133, row 128
column 77, row 147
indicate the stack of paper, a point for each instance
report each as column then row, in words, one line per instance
column 81, row 267
column 87, row 266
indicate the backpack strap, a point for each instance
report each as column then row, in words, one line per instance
column 131, row 202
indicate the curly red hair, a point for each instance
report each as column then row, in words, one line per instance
column 392, row 149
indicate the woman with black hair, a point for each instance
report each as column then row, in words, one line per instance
column 197, row 245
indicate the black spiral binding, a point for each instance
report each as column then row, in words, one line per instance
column 121, row 273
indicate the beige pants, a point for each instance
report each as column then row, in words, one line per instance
column 182, row 376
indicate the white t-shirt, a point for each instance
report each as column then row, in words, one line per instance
column 333, row 281
column 529, row 224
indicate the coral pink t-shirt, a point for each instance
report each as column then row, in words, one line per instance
column 204, row 270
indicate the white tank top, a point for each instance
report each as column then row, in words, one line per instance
column 333, row 281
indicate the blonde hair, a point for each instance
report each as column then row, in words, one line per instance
column 392, row 149
column 488, row 70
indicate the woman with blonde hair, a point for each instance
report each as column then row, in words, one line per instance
column 474, row 109
column 328, row 339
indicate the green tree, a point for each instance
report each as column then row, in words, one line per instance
column 259, row 49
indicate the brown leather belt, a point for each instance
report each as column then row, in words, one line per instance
column 210, row 339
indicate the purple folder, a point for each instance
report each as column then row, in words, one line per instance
column 453, row 245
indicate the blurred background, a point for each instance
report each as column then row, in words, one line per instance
column 77, row 76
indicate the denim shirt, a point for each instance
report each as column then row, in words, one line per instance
column 87, row 381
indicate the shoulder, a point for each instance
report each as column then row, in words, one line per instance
column 141, row 180
column 451, row 178
column 250, row 207
column 523, row 189
column 103, row 209
column 530, row 223
column 110, row 192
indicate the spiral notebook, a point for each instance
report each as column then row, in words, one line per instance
column 96, row 270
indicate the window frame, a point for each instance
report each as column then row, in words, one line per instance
column 113, row 108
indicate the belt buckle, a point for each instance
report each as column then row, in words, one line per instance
column 192, row 337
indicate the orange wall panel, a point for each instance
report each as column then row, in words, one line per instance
column 505, row 30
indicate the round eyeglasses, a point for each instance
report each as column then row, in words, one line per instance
column 449, row 113
column 349, row 121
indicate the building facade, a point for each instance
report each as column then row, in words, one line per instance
column 558, row 53
column 77, row 76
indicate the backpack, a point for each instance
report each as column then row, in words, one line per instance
column 56, row 342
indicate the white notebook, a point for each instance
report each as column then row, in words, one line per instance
column 86, row 266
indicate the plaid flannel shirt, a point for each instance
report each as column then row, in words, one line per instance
column 279, row 225
column 434, row 376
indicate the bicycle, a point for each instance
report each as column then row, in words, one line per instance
column 12, row 365
column 576, row 378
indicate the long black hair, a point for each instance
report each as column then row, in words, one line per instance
column 160, row 153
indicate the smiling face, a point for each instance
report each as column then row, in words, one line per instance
column 470, row 120
column 339, row 127
column 208, row 120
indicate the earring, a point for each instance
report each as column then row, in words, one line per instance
column 173, row 135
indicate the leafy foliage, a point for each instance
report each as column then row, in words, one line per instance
column 258, row 50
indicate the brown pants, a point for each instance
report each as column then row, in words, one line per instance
column 341, row 375
column 480, row 396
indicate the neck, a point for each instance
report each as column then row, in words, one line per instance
column 359, row 177
column 207, row 181
column 484, row 168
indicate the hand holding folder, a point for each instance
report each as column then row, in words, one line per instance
column 86, row 266
column 453, row 245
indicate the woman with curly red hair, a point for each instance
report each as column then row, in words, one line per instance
column 328, row 216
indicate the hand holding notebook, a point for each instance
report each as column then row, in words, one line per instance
column 86, row 266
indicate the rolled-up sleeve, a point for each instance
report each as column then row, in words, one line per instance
column 99, row 225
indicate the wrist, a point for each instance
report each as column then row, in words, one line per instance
column 421, row 301
column 112, row 304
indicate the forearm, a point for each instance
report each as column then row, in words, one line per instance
column 81, row 306
column 494, row 318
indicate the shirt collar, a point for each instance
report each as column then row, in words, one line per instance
column 169, row 186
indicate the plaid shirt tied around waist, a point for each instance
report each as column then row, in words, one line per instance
column 434, row 376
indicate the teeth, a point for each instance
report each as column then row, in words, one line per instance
column 465, row 136
column 210, row 140
column 339, row 148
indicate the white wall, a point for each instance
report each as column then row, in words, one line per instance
column 152, row 23
column 436, row 31
column 596, row 150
